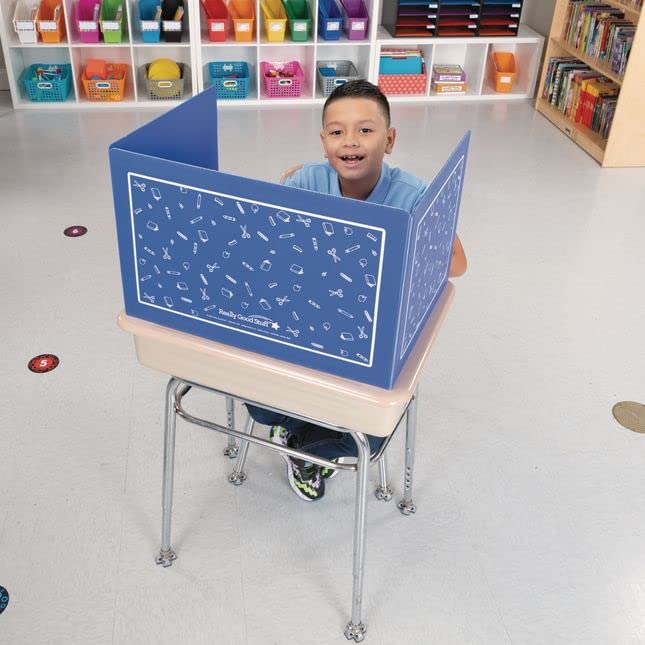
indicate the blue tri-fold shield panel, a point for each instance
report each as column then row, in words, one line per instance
column 330, row 283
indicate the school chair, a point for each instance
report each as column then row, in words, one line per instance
column 303, row 393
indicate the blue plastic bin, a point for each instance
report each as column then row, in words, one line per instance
column 47, row 90
column 229, row 88
column 330, row 20
column 150, row 28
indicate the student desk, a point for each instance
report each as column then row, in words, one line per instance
column 331, row 401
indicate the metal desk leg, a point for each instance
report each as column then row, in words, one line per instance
column 383, row 491
column 237, row 477
column 355, row 628
column 405, row 505
column 167, row 556
column 231, row 449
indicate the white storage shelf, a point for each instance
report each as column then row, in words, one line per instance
column 196, row 51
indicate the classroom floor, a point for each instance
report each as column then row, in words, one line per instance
column 530, row 526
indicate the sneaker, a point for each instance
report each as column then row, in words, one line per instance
column 328, row 473
column 305, row 479
column 279, row 435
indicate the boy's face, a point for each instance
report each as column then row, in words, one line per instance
column 356, row 137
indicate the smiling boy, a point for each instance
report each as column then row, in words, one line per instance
column 356, row 136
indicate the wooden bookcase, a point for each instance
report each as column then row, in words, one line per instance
column 626, row 143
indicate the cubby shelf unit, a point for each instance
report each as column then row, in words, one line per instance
column 196, row 51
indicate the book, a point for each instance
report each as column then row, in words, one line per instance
column 449, row 88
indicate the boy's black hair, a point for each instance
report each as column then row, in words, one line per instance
column 360, row 89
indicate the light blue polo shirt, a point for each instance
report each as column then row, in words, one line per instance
column 395, row 187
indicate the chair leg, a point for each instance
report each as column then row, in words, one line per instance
column 237, row 477
column 355, row 628
column 383, row 491
column 405, row 505
column 231, row 450
column 166, row 555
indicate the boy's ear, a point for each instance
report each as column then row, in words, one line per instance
column 322, row 140
column 391, row 137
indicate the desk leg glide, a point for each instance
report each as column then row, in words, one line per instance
column 355, row 628
column 237, row 477
column 405, row 505
column 166, row 555
column 383, row 492
column 231, row 450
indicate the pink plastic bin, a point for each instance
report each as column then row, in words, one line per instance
column 87, row 20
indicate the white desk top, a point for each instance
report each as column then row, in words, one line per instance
column 327, row 398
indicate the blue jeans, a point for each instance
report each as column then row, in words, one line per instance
column 309, row 437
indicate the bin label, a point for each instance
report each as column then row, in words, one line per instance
column 47, row 25
column 217, row 26
column 87, row 25
column 172, row 25
column 358, row 25
column 24, row 25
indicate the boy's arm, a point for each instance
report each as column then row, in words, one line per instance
column 458, row 263
column 287, row 173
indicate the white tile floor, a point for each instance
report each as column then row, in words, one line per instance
column 530, row 528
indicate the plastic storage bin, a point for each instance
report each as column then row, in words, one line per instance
column 110, row 89
column 355, row 19
column 282, row 86
column 226, row 87
column 24, row 22
column 111, row 20
column 51, row 21
column 216, row 19
column 299, row 19
column 165, row 90
column 149, row 21
column 243, row 14
column 403, row 83
column 170, row 27
column 330, row 20
column 504, row 63
column 332, row 73
column 87, row 20
column 46, row 90
column 275, row 19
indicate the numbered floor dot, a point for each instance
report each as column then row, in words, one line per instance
column 43, row 363
column 4, row 599
column 75, row 231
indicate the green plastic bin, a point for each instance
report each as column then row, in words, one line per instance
column 111, row 20
column 299, row 19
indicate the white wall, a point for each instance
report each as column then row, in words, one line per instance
column 538, row 14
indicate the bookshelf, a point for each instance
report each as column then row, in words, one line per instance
column 625, row 146
column 196, row 51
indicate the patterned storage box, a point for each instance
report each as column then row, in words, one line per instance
column 403, row 83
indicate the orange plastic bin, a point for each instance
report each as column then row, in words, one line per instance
column 51, row 21
column 505, row 74
column 242, row 13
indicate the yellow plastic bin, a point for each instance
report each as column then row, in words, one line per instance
column 275, row 19
column 505, row 74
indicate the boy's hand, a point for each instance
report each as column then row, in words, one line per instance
column 287, row 173
column 458, row 263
